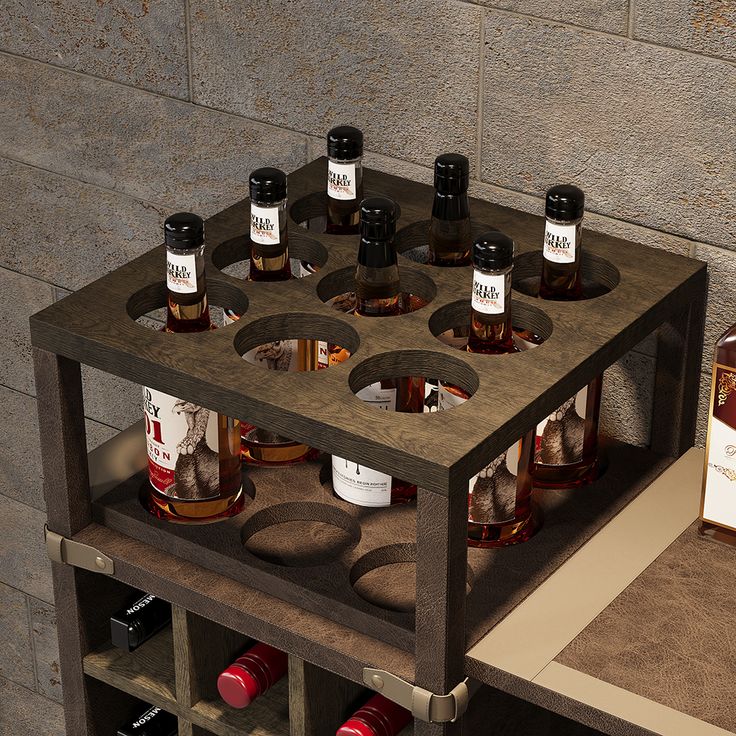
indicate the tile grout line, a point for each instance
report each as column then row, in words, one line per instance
column 632, row 21
column 481, row 93
column 188, row 41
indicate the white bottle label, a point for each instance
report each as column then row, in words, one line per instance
column 355, row 483
column 561, row 435
column 489, row 293
column 264, row 225
column 182, row 444
column 559, row 242
column 340, row 180
column 492, row 492
column 181, row 273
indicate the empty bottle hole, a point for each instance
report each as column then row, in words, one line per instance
column 337, row 289
column 412, row 241
column 296, row 342
column 310, row 213
column 599, row 276
column 147, row 307
column 306, row 256
column 300, row 534
column 386, row 577
column 451, row 324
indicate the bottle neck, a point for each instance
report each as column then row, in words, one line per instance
column 490, row 321
column 187, row 307
column 450, row 206
column 377, row 283
column 269, row 241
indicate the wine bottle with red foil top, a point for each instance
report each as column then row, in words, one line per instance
column 193, row 453
column 566, row 453
column 378, row 294
column 344, row 180
column 501, row 511
column 251, row 675
column 378, row 717
column 269, row 236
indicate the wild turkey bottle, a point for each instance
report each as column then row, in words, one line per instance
column 344, row 180
column 450, row 238
column 378, row 294
column 269, row 237
column 500, row 506
column 193, row 453
column 567, row 440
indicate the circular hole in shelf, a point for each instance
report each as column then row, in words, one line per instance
column 412, row 241
column 451, row 324
column 290, row 342
column 310, row 213
column 336, row 289
column 306, row 255
column 147, row 306
column 599, row 275
column 426, row 369
column 300, row 534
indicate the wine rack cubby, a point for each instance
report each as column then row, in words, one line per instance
column 342, row 588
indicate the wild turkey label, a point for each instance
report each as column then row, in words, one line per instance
column 559, row 242
column 354, row 482
column 183, row 447
column 489, row 293
column 181, row 273
column 279, row 355
column 264, row 225
column 719, row 479
column 341, row 180
column 560, row 437
column 492, row 492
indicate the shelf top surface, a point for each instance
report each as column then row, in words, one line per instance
column 94, row 326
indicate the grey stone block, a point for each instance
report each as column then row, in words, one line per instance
column 405, row 72
column 132, row 41
column 24, row 713
column 111, row 399
column 705, row 26
column 16, row 653
column 69, row 233
column 627, row 397
column 45, row 648
column 20, row 296
column 606, row 15
column 23, row 561
column 153, row 148
column 646, row 131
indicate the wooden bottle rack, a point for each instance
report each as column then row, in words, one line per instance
column 324, row 602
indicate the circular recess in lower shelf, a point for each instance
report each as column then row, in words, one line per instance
column 300, row 534
column 386, row 577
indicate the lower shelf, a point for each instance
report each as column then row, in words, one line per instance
column 634, row 634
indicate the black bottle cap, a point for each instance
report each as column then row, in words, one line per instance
column 345, row 143
column 493, row 251
column 378, row 217
column 267, row 185
column 184, row 230
column 565, row 202
column 451, row 173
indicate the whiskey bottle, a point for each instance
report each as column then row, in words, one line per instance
column 378, row 294
column 449, row 230
column 152, row 722
column 378, row 717
column 567, row 440
column 251, row 675
column 718, row 507
column 500, row 506
column 137, row 622
column 344, row 180
column 269, row 239
column 193, row 453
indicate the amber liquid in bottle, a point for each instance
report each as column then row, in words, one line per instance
column 190, row 480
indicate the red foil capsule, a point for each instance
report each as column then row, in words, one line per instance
column 251, row 674
column 378, row 717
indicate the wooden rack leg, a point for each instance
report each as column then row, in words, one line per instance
column 442, row 560
column 677, row 379
column 319, row 701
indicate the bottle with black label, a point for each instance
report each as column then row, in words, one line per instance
column 193, row 453
column 567, row 440
column 344, row 180
column 152, row 722
column 269, row 237
column 450, row 238
column 139, row 621
column 501, row 511
column 378, row 294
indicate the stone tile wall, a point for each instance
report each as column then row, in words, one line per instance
column 115, row 114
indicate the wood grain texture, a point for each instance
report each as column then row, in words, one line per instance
column 319, row 407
